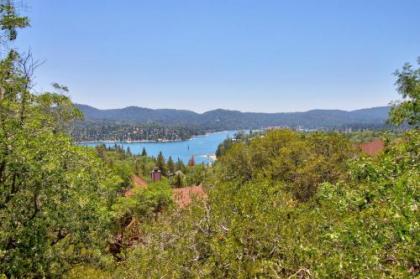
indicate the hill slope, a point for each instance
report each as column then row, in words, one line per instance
column 227, row 119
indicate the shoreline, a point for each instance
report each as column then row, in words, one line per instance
column 149, row 141
column 131, row 141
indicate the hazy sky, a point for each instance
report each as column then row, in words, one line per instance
column 249, row 55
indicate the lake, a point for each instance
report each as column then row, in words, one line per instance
column 201, row 147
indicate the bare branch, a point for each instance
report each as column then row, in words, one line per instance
column 27, row 66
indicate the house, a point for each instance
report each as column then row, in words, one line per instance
column 184, row 196
column 156, row 175
column 373, row 147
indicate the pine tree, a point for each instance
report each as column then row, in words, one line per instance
column 178, row 182
column 143, row 169
column 171, row 165
column 160, row 163
column 180, row 165
column 137, row 167
column 143, row 152
column 191, row 162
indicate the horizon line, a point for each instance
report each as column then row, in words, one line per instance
column 233, row 110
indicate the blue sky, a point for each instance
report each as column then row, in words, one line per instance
column 259, row 55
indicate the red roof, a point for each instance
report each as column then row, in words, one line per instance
column 184, row 196
column 373, row 148
column 138, row 181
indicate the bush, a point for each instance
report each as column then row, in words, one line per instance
column 364, row 225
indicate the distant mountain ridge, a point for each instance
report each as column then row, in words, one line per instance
column 221, row 119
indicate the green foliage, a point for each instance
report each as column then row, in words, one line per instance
column 161, row 164
column 54, row 196
column 178, row 179
column 280, row 205
column 365, row 226
column 120, row 162
column 144, row 203
column 223, row 147
column 124, row 164
column 52, row 212
column 171, row 166
column 87, row 272
column 196, row 175
column 10, row 21
column 366, row 136
column 372, row 221
column 408, row 85
column 180, row 166
column 302, row 161
column 93, row 130
column 169, row 248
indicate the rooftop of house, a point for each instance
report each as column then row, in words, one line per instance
column 373, row 147
column 184, row 196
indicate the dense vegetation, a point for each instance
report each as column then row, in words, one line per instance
column 365, row 225
column 280, row 204
column 54, row 195
column 123, row 164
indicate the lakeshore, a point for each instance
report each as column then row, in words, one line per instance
column 202, row 147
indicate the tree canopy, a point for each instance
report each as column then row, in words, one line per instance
column 408, row 86
column 54, row 195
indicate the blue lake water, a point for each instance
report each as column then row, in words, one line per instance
column 201, row 147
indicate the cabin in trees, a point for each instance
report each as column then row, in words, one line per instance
column 156, row 175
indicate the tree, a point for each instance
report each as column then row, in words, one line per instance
column 408, row 86
column 180, row 166
column 160, row 163
column 191, row 162
column 54, row 196
column 144, row 152
column 196, row 175
column 364, row 226
column 301, row 161
column 10, row 21
column 171, row 165
column 178, row 179
column 223, row 147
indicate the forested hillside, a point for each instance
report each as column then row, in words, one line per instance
column 276, row 204
column 111, row 131
column 232, row 120
column 135, row 123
